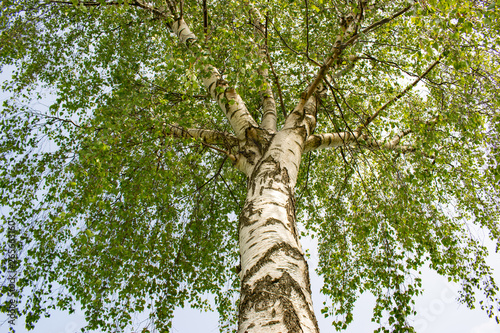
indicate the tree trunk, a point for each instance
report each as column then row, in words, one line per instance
column 275, row 287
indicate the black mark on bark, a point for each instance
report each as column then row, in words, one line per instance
column 273, row 293
column 247, row 213
column 273, row 322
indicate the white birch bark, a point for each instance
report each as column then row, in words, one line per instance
column 230, row 102
column 227, row 98
column 208, row 136
column 355, row 139
column 269, row 116
column 275, row 287
column 329, row 140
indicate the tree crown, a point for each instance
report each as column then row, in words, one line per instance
column 123, row 204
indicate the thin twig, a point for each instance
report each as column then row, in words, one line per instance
column 339, row 46
column 231, row 192
column 377, row 24
column 340, row 109
column 307, row 28
column 56, row 118
column 294, row 51
column 278, row 85
column 401, row 94
column 89, row 3
column 213, row 177
column 307, row 177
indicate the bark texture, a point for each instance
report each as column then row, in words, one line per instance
column 275, row 288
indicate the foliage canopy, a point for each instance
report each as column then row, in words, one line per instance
column 115, row 212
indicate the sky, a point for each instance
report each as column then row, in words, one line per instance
column 437, row 309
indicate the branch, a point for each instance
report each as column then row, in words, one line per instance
column 90, row 3
column 278, row 85
column 208, row 138
column 350, row 26
column 401, row 94
column 136, row 3
column 377, row 24
column 69, row 121
column 226, row 97
column 384, row 144
column 269, row 118
column 398, row 148
column 348, row 139
column 347, row 69
column 395, row 141
column 329, row 140
column 205, row 19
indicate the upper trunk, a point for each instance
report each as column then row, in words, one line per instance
column 275, row 287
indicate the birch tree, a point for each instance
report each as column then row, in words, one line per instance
column 367, row 125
